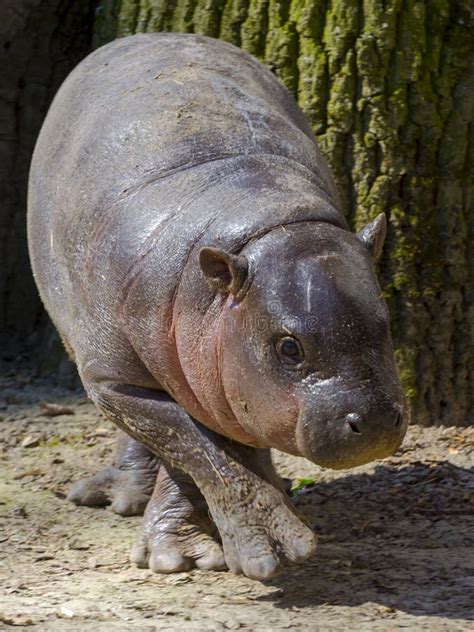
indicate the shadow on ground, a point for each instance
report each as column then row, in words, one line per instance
column 400, row 536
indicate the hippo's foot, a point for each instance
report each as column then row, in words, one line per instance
column 178, row 533
column 126, row 486
column 260, row 531
column 127, row 492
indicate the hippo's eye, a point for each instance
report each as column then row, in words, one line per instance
column 290, row 351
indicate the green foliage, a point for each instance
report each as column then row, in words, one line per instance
column 302, row 483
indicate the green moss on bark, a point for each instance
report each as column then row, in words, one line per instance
column 254, row 28
column 235, row 14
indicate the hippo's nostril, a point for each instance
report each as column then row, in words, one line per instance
column 354, row 427
column 353, row 419
column 398, row 420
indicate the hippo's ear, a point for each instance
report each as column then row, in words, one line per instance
column 224, row 272
column 373, row 235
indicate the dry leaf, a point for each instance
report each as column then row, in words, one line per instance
column 53, row 410
column 34, row 472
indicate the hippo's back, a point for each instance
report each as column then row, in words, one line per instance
column 146, row 105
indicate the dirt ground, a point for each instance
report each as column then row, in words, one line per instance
column 395, row 538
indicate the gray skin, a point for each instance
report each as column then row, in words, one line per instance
column 186, row 239
column 126, row 486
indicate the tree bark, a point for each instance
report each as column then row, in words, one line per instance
column 40, row 42
column 388, row 86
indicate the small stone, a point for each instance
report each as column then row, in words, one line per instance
column 30, row 442
column 75, row 545
column 20, row 512
column 66, row 612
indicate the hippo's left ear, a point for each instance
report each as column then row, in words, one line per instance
column 373, row 235
column 224, row 272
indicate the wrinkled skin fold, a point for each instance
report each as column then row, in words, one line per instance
column 186, row 240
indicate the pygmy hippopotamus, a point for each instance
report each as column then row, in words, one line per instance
column 186, row 238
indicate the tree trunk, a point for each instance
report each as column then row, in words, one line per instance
column 389, row 88
column 40, row 42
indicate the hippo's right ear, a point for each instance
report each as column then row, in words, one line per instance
column 224, row 272
column 373, row 235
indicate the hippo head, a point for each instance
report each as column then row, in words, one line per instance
column 306, row 357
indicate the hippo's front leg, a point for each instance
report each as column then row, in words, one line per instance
column 258, row 526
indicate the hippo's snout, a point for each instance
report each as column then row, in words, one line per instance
column 352, row 438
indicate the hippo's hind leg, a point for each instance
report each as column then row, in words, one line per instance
column 177, row 531
column 126, row 485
